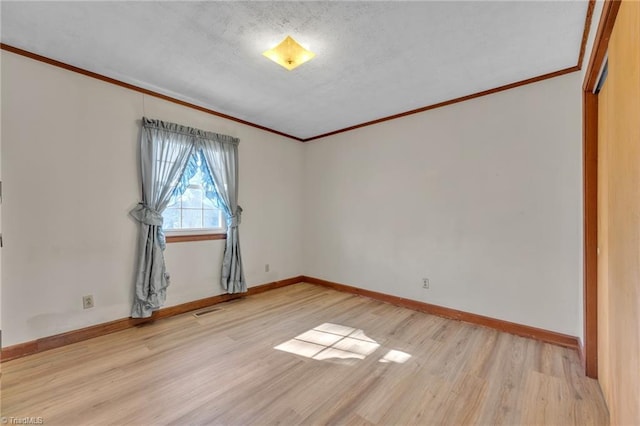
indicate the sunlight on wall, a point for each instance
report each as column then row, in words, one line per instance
column 335, row 341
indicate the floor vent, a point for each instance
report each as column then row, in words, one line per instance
column 205, row 312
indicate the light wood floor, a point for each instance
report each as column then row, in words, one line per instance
column 342, row 359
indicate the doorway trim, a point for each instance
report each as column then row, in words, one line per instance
column 589, row 351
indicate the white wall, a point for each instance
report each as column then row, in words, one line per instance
column 482, row 197
column 69, row 164
column 0, row 208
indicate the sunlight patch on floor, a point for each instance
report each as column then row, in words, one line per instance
column 395, row 356
column 335, row 341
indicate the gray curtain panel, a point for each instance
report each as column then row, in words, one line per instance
column 221, row 155
column 165, row 149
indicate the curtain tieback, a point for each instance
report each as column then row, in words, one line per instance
column 234, row 220
column 145, row 214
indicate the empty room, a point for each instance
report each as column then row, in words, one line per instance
column 301, row 213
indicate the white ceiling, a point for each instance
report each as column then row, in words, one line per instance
column 374, row 59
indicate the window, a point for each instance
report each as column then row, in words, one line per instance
column 195, row 211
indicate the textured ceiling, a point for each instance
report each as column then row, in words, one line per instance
column 374, row 59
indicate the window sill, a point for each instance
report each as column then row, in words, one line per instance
column 195, row 237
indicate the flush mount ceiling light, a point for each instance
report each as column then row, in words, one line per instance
column 289, row 54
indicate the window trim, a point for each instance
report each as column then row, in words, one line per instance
column 177, row 237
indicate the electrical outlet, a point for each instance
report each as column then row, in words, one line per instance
column 87, row 301
column 425, row 283
column 266, row 267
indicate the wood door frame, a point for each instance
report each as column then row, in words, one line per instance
column 590, row 185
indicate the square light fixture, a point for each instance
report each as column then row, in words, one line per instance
column 289, row 54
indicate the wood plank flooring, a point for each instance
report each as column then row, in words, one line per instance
column 340, row 359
